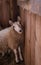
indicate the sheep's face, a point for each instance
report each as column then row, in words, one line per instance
column 17, row 27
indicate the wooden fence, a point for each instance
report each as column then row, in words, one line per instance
column 31, row 16
column 8, row 10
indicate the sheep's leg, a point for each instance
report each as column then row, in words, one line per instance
column 16, row 56
column 9, row 50
column 20, row 55
column 2, row 53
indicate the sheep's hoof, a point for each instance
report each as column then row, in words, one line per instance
column 21, row 60
column 17, row 61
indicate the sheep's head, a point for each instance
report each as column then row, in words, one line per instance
column 17, row 25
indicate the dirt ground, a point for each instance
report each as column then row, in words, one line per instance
column 9, row 59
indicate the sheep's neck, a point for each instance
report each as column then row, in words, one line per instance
column 14, row 34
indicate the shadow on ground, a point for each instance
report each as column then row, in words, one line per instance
column 9, row 59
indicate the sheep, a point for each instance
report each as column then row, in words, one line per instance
column 11, row 37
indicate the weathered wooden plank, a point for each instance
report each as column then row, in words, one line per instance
column 22, row 15
column 13, row 9
column 0, row 10
column 5, row 13
column 38, row 41
column 33, row 34
column 33, row 38
column 27, row 39
column 8, row 10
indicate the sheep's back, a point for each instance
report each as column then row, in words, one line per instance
column 4, row 32
column 3, row 40
column 3, row 44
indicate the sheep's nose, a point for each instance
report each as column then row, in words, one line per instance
column 20, row 30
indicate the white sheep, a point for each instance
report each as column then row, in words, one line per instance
column 10, row 38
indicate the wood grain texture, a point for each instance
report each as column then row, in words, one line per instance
column 8, row 10
column 5, row 13
column 33, row 38
column 27, row 39
column 22, row 15
column 38, row 41
column 32, row 34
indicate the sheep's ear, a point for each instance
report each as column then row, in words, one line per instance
column 18, row 18
column 10, row 22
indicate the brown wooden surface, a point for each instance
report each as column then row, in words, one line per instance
column 22, row 15
column 8, row 10
column 13, row 9
column 27, row 39
column 5, row 13
column 25, row 19
column 30, row 38
column 38, row 41
column 30, row 35
column 33, row 37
